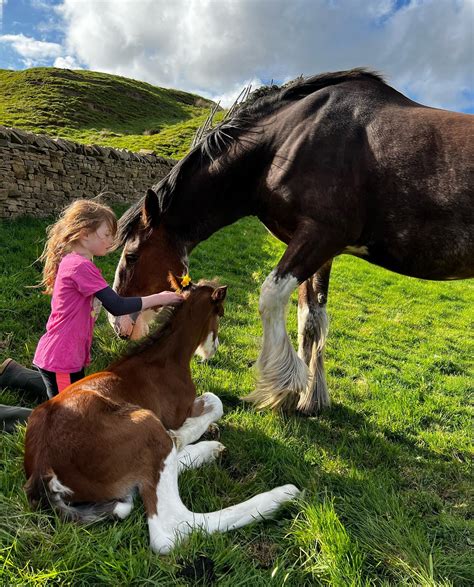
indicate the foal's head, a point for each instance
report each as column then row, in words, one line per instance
column 205, row 302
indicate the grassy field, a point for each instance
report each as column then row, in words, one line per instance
column 386, row 470
column 102, row 109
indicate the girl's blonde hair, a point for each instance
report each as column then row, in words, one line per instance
column 79, row 216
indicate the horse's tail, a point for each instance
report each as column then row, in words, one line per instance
column 46, row 490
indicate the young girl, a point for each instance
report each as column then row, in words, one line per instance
column 85, row 229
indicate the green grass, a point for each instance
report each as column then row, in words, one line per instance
column 386, row 471
column 99, row 108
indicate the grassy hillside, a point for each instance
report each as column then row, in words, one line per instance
column 108, row 110
column 387, row 470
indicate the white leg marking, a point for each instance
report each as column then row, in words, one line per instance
column 194, row 428
column 174, row 521
column 196, row 455
column 312, row 340
column 123, row 508
column 283, row 375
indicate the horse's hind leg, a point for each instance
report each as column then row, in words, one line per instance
column 312, row 333
column 169, row 520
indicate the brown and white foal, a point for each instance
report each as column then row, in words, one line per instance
column 130, row 427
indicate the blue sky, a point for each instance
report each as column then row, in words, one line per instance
column 214, row 47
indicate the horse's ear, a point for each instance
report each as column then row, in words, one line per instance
column 218, row 295
column 174, row 281
column 151, row 208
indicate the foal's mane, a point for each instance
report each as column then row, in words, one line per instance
column 259, row 104
column 163, row 326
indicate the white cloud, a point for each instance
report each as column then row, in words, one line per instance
column 31, row 49
column 212, row 47
column 67, row 62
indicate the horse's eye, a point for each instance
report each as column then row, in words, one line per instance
column 131, row 257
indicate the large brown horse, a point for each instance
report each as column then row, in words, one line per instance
column 336, row 163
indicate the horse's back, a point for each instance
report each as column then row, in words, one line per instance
column 391, row 178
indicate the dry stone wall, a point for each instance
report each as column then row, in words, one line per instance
column 39, row 175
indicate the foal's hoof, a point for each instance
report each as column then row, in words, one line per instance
column 286, row 493
column 212, row 433
column 218, row 449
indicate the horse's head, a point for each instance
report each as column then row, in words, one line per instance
column 205, row 302
column 150, row 251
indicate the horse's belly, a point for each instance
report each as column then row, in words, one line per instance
column 453, row 260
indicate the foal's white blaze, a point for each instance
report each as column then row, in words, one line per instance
column 173, row 521
column 283, row 375
column 208, row 348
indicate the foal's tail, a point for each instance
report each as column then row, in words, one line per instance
column 46, row 490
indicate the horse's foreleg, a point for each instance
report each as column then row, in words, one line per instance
column 282, row 375
column 170, row 521
column 207, row 409
column 284, row 378
column 313, row 327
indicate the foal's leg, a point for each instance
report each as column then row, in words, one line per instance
column 313, row 328
column 171, row 520
column 196, row 455
column 124, row 507
column 207, row 409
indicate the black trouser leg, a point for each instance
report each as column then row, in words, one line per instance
column 12, row 415
column 23, row 379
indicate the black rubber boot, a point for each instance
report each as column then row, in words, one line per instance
column 15, row 376
column 12, row 415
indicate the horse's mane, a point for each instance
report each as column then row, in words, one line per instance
column 269, row 99
column 163, row 326
column 259, row 104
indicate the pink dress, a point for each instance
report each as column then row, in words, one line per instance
column 66, row 345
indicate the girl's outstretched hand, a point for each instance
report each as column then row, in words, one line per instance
column 170, row 298
column 164, row 298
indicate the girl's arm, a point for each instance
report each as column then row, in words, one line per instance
column 119, row 306
column 164, row 298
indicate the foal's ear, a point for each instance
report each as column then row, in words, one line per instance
column 151, row 208
column 218, row 295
